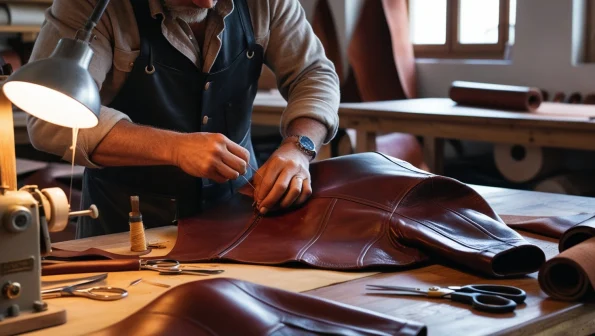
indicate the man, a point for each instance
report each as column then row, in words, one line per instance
column 178, row 80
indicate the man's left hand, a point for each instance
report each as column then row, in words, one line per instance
column 284, row 180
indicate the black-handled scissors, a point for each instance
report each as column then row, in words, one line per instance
column 488, row 298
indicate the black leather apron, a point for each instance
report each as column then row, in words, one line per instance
column 166, row 90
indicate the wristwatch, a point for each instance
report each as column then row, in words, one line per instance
column 305, row 144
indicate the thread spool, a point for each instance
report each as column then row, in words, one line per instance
column 138, row 241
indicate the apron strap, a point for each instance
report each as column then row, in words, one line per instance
column 246, row 20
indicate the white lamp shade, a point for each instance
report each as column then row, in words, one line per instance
column 50, row 105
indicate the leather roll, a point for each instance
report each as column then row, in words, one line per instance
column 94, row 266
column 226, row 306
column 570, row 276
column 496, row 96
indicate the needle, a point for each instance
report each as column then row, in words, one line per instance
column 248, row 181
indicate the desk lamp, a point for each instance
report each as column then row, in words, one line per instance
column 59, row 90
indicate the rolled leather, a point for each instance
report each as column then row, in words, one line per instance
column 367, row 210
column 496, row 96
column 570, row 276
column 226, row 306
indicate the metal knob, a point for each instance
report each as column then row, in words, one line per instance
column 17, row 219
column 91, row 212
column 11, row 290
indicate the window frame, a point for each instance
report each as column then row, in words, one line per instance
column 453, row 49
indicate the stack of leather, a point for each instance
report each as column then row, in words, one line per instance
column 569, row 276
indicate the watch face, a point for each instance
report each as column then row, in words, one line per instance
column 307, row 144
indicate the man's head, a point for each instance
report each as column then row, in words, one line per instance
column 191, row 11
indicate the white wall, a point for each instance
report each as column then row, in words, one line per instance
column 545, row 54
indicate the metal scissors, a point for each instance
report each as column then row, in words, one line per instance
column 172, row 267
column 488, row 298
column 102, row 293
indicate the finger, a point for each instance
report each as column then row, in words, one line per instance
column 293, row 192
column 233, row 162
column 238, row 150
column 218, row 178
column 270, row 174
column 306, row 191
column 277, row 191
column 225, row 171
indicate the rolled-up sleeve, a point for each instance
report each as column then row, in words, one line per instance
column 305, row 76
column 63, row 19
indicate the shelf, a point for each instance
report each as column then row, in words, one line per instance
column 20, row 29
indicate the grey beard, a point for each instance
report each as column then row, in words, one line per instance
column 188, row 14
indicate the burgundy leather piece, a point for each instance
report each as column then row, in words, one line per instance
column 233, row 307
column 92, row 266
column 323, row 25
column 570, row 276
column 368, row 210
column 377, row 212
column 507, row 97
column 381, row 53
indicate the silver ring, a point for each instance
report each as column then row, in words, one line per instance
column 250, row 54
column 149, row 71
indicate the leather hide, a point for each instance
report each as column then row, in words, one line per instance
column 367, row 211
column 233, row 307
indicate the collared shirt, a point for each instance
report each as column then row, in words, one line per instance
column 305, row 77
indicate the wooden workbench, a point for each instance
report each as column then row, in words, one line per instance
column 540, row 315
column 437, row 119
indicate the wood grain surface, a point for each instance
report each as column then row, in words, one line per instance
column 539, row 315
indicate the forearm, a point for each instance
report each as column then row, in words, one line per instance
column 311, row 128
column 128, row 144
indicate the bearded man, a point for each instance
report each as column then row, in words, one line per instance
column 178, row 80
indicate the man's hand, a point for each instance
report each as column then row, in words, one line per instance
column 285, row 179
column 210, row 155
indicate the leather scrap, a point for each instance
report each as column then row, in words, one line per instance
column 226, row 306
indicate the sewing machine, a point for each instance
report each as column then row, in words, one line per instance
column 59, row 90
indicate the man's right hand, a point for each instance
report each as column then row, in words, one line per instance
column 210, row 155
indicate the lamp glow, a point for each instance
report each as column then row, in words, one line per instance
column 50, row 105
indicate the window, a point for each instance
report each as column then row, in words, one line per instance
column 462, row 28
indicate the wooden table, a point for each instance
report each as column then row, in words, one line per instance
column 540, row 315
column 436, row 119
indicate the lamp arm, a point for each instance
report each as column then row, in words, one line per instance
column 85, row 34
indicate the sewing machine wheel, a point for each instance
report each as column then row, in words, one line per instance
column 56, row 208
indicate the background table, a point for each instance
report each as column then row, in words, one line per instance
column 540, row 315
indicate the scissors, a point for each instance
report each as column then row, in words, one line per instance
column 172, row 267
column 107, row 293
column 488, row 298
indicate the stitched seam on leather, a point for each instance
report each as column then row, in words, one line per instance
column 479, row 227
column 241, row 238
column 440, row 232
column 301, row 315
column 327, row 215
column 381, row 233
column 356, row 200
column 404, row 167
